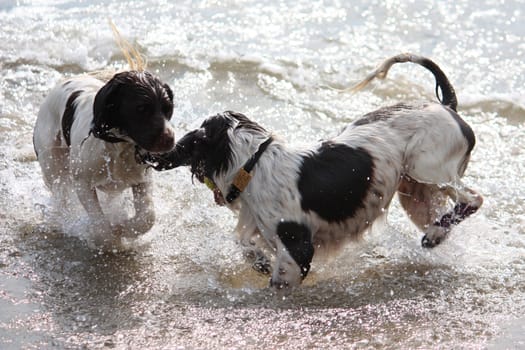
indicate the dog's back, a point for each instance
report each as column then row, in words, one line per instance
column 52, row 134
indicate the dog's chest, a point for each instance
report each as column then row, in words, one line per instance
column 119, row 170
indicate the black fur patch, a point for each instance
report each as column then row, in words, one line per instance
column 206, row 149
column 465, row 130
column 213, row 151
column 381, row 114
column 297, row 238
column 69, row 116
column 244, row 122
column 334, row 181
column 137, row 104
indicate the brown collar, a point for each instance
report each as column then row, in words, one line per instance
column 243, row 177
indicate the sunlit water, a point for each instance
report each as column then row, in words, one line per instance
column 186, row 284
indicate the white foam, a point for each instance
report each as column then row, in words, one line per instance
column 507, row 104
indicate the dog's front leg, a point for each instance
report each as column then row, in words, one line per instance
column 144, row 217
column 88, row 197
column 101, row 229
column 294, row 255
column 253, row 243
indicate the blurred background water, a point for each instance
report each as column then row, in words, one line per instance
column 185, row 284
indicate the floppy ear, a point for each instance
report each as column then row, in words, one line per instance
column 169, row 92
column 103, row 108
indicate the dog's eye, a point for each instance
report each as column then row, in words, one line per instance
column 142, row 108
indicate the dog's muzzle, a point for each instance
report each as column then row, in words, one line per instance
column 165, row 142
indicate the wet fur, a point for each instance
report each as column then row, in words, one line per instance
column 85, row 138
column 312, row 200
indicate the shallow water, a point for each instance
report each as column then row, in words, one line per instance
column 185, row 284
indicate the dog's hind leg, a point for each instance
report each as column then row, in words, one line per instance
column 426, row 205
column 294, row 255
column 467, row 202
column 54, row 162
column 423, row 203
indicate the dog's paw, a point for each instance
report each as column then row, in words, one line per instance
column 107, row 243
column 124, row 229
column 286, row 278
column 262, row 265
column 260, row 262
column 434, row 235
column 258, row 259
column 132, row 228
column 279, row 285
column 429, row 243
column 279, row 281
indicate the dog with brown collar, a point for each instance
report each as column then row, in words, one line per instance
column 295, row 202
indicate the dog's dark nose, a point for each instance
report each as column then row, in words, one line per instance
column 167, row 139
column 165, row 142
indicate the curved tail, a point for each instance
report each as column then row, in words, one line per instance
column 447, row 91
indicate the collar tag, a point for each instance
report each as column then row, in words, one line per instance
column 242, row 179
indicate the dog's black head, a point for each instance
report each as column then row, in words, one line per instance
column 208, row 150
column 137, row 105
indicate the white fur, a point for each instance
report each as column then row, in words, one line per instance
column 422, row 148
column 91, row 164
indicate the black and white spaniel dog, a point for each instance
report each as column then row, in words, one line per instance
column 87, row 137
column 301, row 201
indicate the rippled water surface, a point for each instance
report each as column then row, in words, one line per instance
column 186, row 284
